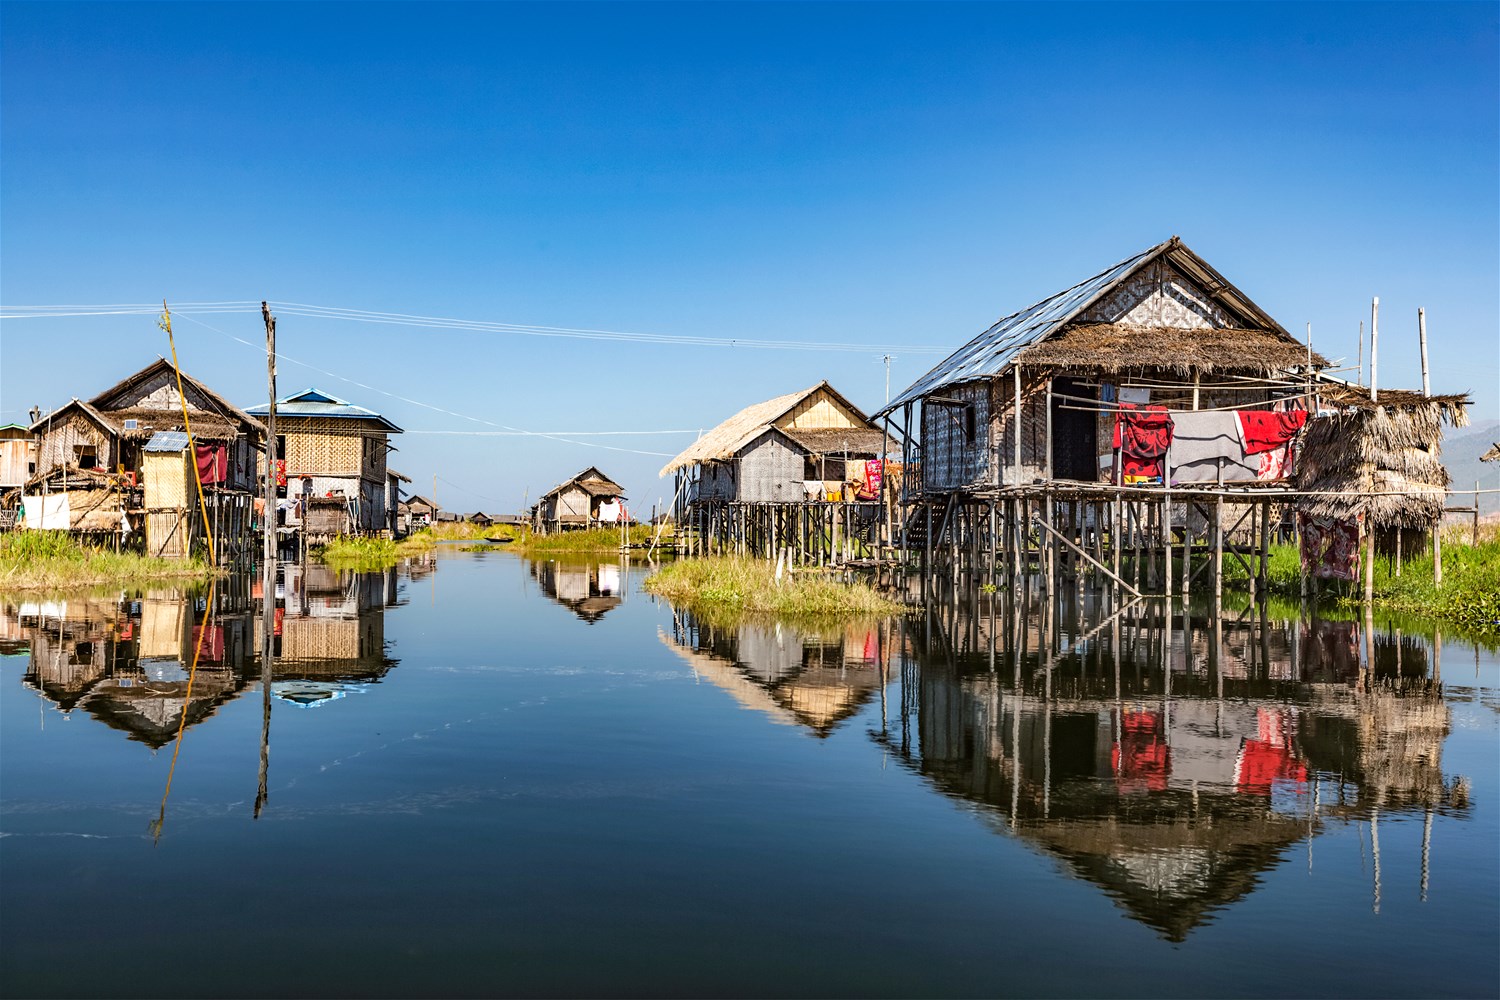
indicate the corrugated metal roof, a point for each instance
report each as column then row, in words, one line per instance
column 312, row 403
column 167, row 441
column 989, row 353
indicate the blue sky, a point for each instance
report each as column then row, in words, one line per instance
column 852, row 173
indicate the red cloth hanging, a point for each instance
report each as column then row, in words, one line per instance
column 1142, row 435
column 213, row 464
column 1264, row 430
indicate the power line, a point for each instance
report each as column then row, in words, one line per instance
column 312, row 311
column 418, row 402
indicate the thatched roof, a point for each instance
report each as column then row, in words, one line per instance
column 839, row 440
column 106, row 400
column 1118, row 347
column 590, row 480
column 1493, row 455
column 721, row 443
column 1381, row 460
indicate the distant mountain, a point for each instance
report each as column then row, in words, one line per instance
column 1461, row 453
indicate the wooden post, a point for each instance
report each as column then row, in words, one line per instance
column 1374, row 349
column 268, row 568
column 1218, row 567
column 1437, row 553
column 1049, row 433
column 1016, row 427
column 1476, row 513
column 1422, row 342
column 1398, row 551
column 1361, row 352
column 1369, row 563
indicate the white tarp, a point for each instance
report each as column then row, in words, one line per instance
column 47, row 512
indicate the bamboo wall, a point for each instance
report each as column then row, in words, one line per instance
column 17, row 454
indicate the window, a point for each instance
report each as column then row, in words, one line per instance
column 85, row 456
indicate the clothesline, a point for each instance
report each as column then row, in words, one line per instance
column 1103, row 407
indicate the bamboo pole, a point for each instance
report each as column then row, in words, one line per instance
column 1422, row 342
column 1016, row 426
column 1374, row 349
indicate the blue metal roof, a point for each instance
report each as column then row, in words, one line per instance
column 312, row 403
column 168, row 441
column 989, row 353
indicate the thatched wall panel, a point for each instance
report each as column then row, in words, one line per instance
column 61, row 441
column 770, row 470
column 1385, row 462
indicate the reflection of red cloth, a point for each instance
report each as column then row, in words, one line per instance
column 213, row 463
column 1141, row 759
column 1268, row 758
column 1262, row 430
column 212, row 648
column 1143, row 436
column 1330, row 548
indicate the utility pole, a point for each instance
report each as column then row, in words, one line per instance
column 268, row 561
column 888, row 360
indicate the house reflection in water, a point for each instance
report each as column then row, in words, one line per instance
column 1173, row 789
column 589, row 590
column 126, row 662
column 795, row 676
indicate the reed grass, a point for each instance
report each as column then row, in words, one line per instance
column 53, row 560
column 738, row 585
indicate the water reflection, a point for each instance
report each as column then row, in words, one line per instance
column 589, row 590
column 125, row 661
column 1167, row 757
column 794, row 675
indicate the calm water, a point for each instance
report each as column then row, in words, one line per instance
column 488, row 776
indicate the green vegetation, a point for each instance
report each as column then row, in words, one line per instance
column 591, row 540
column 371, row 554
column 448, row 531
column 52, row 560
column 727, row 586
column 1470, row 595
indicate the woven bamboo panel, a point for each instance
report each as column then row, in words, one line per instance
column 166, row 479
column 1158, row 295
column 819, row 412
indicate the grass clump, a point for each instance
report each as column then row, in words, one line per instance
column 737, row 585
column 370, row 554
column 51, row 560
column 589, row 540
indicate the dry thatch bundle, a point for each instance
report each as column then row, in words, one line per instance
column 1380, row 460
column 1117, row 347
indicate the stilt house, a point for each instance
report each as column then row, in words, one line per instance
column 771, row 451
column 97, row 454
column 1158, row 386
column 334, row 457
column 586, row 500
column 1034, row 397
